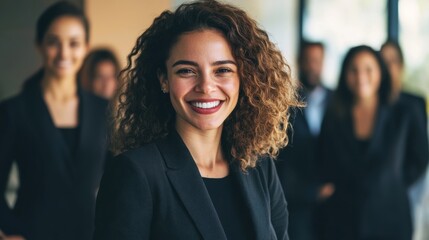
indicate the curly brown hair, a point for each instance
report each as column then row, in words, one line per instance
column 259, row 122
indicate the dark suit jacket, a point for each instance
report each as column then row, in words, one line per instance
column 296, row 167
column 370, row 201
column 156, row 192
column 414, row 101
column 56, row 198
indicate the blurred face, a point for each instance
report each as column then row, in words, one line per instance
column 311, row 66
column 202, row 80
column 63, row 47
column 393, row 62
column 364, row 76
column 105, row 81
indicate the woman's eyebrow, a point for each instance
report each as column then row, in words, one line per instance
column 223, row 62
column 184, row 62
column 187, row 62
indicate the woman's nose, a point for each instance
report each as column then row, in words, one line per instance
column 205, row 83
column 64, row 51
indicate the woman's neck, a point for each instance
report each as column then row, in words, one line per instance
column 396, row 89
column 59, row 89
column 206, row 150
column 364, row 115
column 369, row 102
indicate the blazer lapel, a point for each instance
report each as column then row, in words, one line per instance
column 375, row 141
column 85, row 136
column 255, row 200
column 186, row 180
column 59, row 155
column 378, row 131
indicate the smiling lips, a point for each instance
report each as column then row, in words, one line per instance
column 63, row 63
column 206, row 107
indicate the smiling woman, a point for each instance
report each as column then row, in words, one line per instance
column 63, row 47
column 202, row 80
column 202, row 110
column 371, row 149
column 55, row 132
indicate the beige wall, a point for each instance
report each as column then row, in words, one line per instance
column 117, row 24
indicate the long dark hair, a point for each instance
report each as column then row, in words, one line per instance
column 343, row 98
column 55, row 11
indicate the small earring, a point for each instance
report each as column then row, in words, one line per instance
column 163, row 90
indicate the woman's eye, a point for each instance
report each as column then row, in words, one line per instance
column 224, row 70
column 185, row 72
column 74, row 44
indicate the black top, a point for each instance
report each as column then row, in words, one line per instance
column 158, row 186
column 56, row 197
column 230, row 207
column 370, row 199
column 362, row 146
column 70, row 136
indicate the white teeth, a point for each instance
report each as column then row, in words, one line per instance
column 206, row 104
column 63, row 63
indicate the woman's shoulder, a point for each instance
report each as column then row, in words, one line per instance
column 265, row 165
column 146, row 158
column 403, row 108
column 12, row 104
column 412, row 98
column 149, row 151
column 94, row 99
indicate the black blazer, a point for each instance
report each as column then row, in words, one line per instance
column 56, row 198
column 297, row 170
column 414, row 101
column 370, row 201
column 156, row 192
column 296, row 165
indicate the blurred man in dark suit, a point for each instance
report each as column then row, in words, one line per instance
column 296, row 163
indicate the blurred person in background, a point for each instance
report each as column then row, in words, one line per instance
column 393, row 57
column 372, row 150
column 296, row 165
column 422, row 213
column 55, row 132
column 99, row 73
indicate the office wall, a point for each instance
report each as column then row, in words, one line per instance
column 117, row 24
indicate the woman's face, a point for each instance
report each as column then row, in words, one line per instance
column 364, row 76
column 104, row 83
column 202, row 80
column 63, row 47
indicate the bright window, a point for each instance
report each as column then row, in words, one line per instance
column 342, row 24
column 414, row 38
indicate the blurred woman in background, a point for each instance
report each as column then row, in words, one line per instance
column 394, row 59
column 56, row 134
column 99, row 73
column 371, row 150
